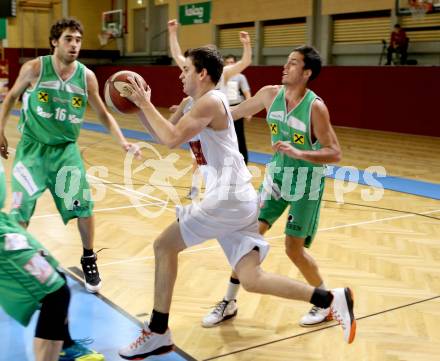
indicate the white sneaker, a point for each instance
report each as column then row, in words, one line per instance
column 224, row 310
column 342, row 311
column 315, row 316
column 147, row 344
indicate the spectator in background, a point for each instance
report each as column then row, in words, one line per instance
column 398, row 44
column 237, row 90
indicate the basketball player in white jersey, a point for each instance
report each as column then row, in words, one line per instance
column 229, row 193
column 230, row 70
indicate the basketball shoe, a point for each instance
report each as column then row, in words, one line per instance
column 147, row 344
column 342, row 311
column 91, row 273
column 78, row 352
column 222, row 311
column 315, row 316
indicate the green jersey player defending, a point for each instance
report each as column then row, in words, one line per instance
column 56, row 91
column 30, row 280
column 304, row 141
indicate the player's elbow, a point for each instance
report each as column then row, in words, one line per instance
column 172, row 142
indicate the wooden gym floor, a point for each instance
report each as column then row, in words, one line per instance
column 388, row 251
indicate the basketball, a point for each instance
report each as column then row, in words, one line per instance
column 118, row 84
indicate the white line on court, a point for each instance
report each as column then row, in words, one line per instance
column 121, row 190
column 132, row 192
column 140, row 195
column 98, row 210
column 275, row 237
column 365, row 222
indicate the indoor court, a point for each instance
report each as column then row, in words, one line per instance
column 386, row 250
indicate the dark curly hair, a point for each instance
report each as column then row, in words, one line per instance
column 66, row 23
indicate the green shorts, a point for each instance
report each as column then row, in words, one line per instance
column 60, row 168
column 303, row 218
column 27, row 271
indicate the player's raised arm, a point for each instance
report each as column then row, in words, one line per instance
column 176, row 51
column 246, row 58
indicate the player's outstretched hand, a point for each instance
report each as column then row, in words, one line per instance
column 173, row 25
column 134, row 149
column 244, row 37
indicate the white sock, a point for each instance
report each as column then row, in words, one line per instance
column 233, row 287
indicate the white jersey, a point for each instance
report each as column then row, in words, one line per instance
column 217, row 154
column 229, row 209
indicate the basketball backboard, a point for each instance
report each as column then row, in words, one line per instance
column 112, row 23
column 409, row 7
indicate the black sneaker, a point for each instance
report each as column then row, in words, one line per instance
column 91, row 273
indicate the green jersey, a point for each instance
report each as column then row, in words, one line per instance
column 53, row 109
column 294, row 127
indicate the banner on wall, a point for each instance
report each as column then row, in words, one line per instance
column 3, row 27
column 4, row 79
column 198, row 13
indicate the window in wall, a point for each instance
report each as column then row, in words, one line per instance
column 282, row 33
column 369, row 27
column 424, row 28
column 228, row 35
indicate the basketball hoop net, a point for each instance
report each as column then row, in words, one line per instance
column 419, row 8
column 104, row 37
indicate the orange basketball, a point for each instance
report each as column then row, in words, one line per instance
column 118, row 84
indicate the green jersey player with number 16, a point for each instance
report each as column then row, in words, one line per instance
column 56, row 90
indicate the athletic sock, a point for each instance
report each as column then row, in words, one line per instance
column 321, row 298
column 88, row 252
column 233, row 287
column 322, row 286
column 159, row 322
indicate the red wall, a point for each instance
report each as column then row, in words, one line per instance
column 399, row 99
column 166, row 88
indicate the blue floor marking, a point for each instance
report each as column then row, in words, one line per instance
column 398, row 184
column 90, row 317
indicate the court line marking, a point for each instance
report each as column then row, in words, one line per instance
column 305, row 333
column 123, row 190
column 274, row 237
column 96, row 210
column 365, row 222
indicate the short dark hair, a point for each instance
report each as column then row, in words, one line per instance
column 231, row 56
column 209, row 58
column 65, row 23
column 397, row 26
column 312, row 59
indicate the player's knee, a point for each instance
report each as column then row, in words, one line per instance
column 251, row 282
column 295, row 250
column 163, row 247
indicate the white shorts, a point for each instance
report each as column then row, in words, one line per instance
column 234, row 223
